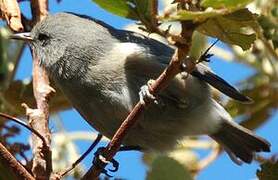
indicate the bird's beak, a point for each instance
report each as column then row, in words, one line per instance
column 26, row 36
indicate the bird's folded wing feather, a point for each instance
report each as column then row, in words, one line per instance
column 204, row 73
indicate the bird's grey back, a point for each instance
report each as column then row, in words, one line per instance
column 99, row 29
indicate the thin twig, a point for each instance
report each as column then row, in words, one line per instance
column 9, row 161
column 151, row 25
column 154, row 12
column 63, row 173
column 22, row 123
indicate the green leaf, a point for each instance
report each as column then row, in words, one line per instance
column 231, row 28
column 200, row 16
column 199, row 42
column 269, row 171
column 274, row 12
column 123, row 8
column 225, row 3
column 269, row 28
column 194, row 15
column 131, row 9
column 243, row 17
column 166, row 168
column 143, row 7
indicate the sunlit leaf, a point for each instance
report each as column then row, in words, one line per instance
column 269, row 28
column 198, row 44
column 225, row 3
column 122, row 8
column 131, row 9
column 186, row 157
column 197, row 16
column 274, row 11
column 230, row 28
column 264, row 94
column 165, row 168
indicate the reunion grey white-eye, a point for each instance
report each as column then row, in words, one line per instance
column 101, row 69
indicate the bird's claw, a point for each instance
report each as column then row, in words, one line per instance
column 115, row 164
column 104, row 171
column 205, row 58
column 100, row 161
column 145, row 95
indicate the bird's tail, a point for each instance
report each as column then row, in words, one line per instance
column 240, row 143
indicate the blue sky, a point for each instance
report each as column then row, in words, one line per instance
column 131, row 166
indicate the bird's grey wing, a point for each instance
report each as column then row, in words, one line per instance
column 139, row 70
column 204, row 73
column 164, row 53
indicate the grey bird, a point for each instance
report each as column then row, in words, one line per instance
column 101, row 69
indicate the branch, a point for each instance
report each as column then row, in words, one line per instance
column 13, row 165
column 154, row 12
column 9, row 10
column 39, row 10
column 38, row 118
column 42, row 165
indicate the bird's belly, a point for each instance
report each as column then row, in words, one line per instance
column 161, row 132
column 158, row 128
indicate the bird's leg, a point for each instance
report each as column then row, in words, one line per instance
column 205, row 57
column 100, row 161
column 145, row 95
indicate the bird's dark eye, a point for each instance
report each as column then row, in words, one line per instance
column 44, row 39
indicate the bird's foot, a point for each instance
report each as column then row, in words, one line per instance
column 205, row 57
column 100, row 161
column 145, row 95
